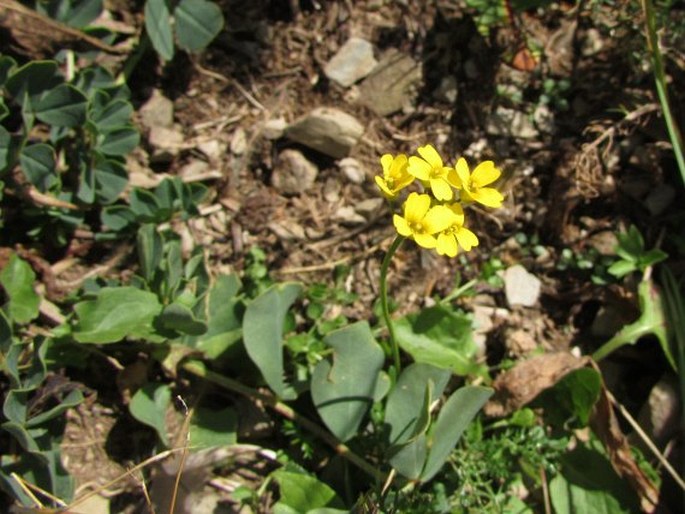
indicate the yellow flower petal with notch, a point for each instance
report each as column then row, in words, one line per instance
column 421, row 221
column 472, row 185
column 450, row 239
column 430, row 169
column 395, row 176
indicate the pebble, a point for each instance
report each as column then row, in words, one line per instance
column 660, row 415
column 294, row 173
column 158, row 111
column 605, row 242
column 287, row 230
column 214, row 149
column 238, row 142
column 351, row 63
column 166, row 142
column 448, row 90
column 367, row 208
column 393, row 85
column 510, row 123
column 521, row 287
column 346, row 215
column 274, row 128
column 327, row 130
column 352, row 169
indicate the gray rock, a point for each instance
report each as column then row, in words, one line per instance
column 158, row 111
column 369, row 207
column 287, row 230
column 293, row 174
column 544, row 119
column 511, row 123
column 392, row 85
column 352, row 169
column 353, row 62
column 274, row 128
column 604, row 242
column 346, row 215
column 238, row 142
column 166, row 143
column 447, row 91
column 327, row 130
column 521, row 287
column 214, row 149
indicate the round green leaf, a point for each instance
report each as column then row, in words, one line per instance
column 38, row 164
column 111, row 179
column 197, row 23
column 149, row 406
column 115, row 114
column 118, row 141
column 17, row 279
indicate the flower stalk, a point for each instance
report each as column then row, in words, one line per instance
column 395, row 349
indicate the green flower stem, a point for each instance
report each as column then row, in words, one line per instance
column 384, row 301
column 661, row 86
column 198, row 369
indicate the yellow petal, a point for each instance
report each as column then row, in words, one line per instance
column 453, row 178
column 484, row 174
column 462, row 169
column 398, row 165
column 466, row 238
column 401, row 225
column 419, row 168
column 384, row 187
column 416, row 207
column 488, row 196
column 425, row 240
column 441, row 189
column 431, row 156
column 438, row 219
column 447, row 245
column 458, row 211
column 386, row 163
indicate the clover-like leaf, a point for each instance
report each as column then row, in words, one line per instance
column 197, row 23
column 149, row 406
column 62, row 106
column 38, row 164
column 17, row 279
column 158, row 27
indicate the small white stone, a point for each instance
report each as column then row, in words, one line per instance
column 521, row 287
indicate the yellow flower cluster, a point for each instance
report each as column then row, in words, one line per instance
column 435, row 219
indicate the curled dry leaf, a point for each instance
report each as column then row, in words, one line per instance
column 525, row 381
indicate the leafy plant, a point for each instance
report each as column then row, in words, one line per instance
column 634, row 257
column 190, row 24
column 69, row 140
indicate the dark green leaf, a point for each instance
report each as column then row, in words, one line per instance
column 145, row 206
column 149, row 406
column 158, row 27
column 197, row 23
column 119, row 141
column 7, row 66
column 304, row 493
column 117, row 217
column 150, row 246
column 32, row 80
column 115, row 114
column 71, row 400
column 179, row 318
column 111, row 179
column 62, row 106
column 38, row 164
column 212, row 428
column 5, row 333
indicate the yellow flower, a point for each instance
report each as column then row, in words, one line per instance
column 421, row 221
column 395, row 176
column 430, row 168
column 456, row 235
column 472, row 184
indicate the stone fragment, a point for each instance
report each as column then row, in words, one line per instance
column 510, row 123
column 166, row 142
column 392, row 85
column 293, row 173
column 369, row 207
column 521, row 287
column 346, row 215
column 448, row 90
column 238, row 142
column 352, row 169
column 158, row 111
column 604, row 242
column 544, row 119
column 352, row 62
column 214, row 149
column 274, row 128
column 287, row 230
column 327, row 130
column 519, row 342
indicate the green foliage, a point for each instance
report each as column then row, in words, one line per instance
column 634, row 257
column 263, row 334
column 17, row 280
column 191, row 24
column 304, row 494
column 441, row 337
column 570, row 402
column 82, row 161
column 587, row 482
column 343, row 388
column 149, row 406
